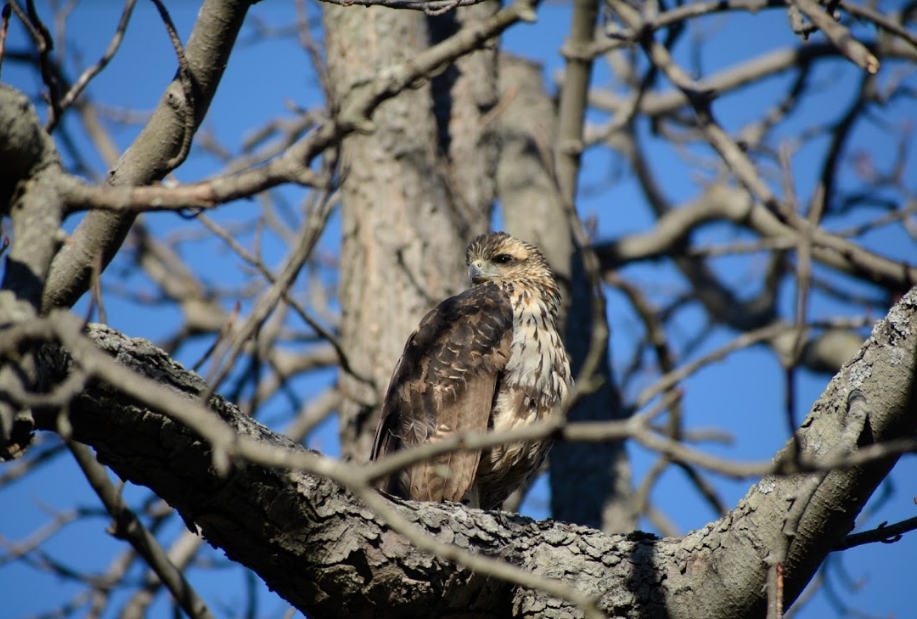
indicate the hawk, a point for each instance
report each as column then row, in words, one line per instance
column 488, row 359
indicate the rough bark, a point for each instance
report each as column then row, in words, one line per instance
column 532, row 208
column 29, row 197
column 405, row 223
column 464, row 97
column 331, row 557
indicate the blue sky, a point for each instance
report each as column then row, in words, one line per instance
column 742, row 395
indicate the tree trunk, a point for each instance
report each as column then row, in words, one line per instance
column 417, row 189
column 590, row 484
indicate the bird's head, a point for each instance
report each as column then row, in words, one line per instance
column 500, row 258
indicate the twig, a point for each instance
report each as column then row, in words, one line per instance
column 127, row 526
column 432, row 7
column 674, row 430
column 185, row 109
column 855, row 51
column 4, row 28
column 356, row 108
column 884, row 534
column 181, row 553
column 15, row 551
column 744, row 340
column 775, row 592
column 225, row 329
column 45, row 43
column 316, row 411
column 868, row 13
column 83, row 80
column 744, row 169
column 39, row 454
column 803, row 286
column 313, row 323
column 308, row 238
column 307, row 41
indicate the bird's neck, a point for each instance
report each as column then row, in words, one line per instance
column 541, row 297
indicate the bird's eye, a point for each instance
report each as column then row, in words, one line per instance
column 503, row 259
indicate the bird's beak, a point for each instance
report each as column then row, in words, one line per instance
column 476, row 272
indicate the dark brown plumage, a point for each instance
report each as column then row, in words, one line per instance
column 489, row 358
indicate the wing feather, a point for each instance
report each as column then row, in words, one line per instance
column 444, row 383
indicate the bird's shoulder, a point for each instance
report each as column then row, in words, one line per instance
column 449, row 367
column 468, row 328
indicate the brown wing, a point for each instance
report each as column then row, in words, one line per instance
column 444, row 383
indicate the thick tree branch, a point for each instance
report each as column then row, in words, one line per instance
column 316, row 545
column 31, row 199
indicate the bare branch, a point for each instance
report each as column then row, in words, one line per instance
column 884, row 534
column 207, row 53
column 83, row 80
column 126, row 525
column 257, row 445
column 839, row 35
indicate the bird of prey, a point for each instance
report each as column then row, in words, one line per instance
column 488, row 359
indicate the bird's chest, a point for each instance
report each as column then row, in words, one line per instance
column 537, row 375
column 536, row 380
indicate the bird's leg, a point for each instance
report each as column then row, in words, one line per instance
column 472, row 497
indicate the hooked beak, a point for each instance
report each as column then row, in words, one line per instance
column 476, row 272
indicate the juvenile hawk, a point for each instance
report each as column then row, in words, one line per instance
column 489, row 358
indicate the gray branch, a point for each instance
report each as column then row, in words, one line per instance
column 330, row 556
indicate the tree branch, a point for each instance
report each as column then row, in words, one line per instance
column 149, row 157
column 324, row 546
column 884, row 533
column 126, row 525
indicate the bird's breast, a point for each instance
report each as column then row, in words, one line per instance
column 535, row 382
column 537, row 375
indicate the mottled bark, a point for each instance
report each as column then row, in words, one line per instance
column 330, row 557
column 29, row 196
column 405, row 222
